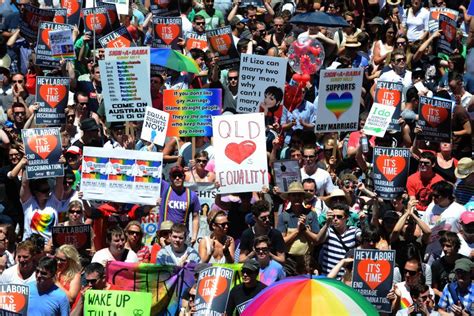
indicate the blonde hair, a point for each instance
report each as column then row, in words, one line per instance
column 73, row 261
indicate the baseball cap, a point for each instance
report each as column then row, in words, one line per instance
column 73, row 150
column 252, row 265
column 467, row 217
column 463, row 264
column 176, row 170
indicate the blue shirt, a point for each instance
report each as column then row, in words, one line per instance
column 166, row 256
column 271, row 273
column 52, row 303
column 467, row 300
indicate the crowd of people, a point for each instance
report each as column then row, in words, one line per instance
column 315, row 225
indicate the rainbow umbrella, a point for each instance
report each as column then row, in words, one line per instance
column 303, row 295
column 173, row 59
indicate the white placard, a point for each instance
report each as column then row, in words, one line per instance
column 155, row 126
column 379, row 119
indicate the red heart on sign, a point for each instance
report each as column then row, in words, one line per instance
column 448, row 31
column 42, row 145
column 194, row 43
column 162, row 3
column 119, row 42
column 52, row 94
column 211, row 287
column 373, row 272
column 99, row 23
column 221, row 44
column 434, row 115
column 240, row 152
column 59, row 19
column 16, row 305
column 112, row 16
column 390, row 167
column 45, row 37
column 78, row 240
column 388, row 97
column 71, row 6
column 166, row 32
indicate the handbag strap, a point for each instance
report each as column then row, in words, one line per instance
column 340, row 240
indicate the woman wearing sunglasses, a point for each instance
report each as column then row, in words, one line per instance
column 134, row 233
column 218, row 247
column 199, row 171
column 68, row 274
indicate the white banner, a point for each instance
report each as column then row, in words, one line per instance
column 379, row 119
column 155, row 126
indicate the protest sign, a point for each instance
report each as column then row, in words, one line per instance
column 191, row 111
column 390, row 93
column 391, row 167
column 61, row 44
column 98, row 302
column 96, row 18
column 435, row 12
column 339, row 100
column 31, row 18
column 167, row 31
column 372, row 276
column 164, row 7
column 79, row 236
column 379, row 119
column 121, row 5
column 286, row 172
column 73, row 8
column 259, row 76
column 212, row 292
column 112, row 12
column 447, row 40
column 195, row 40
column 435, row 119
column 52, row 94
column 220, row 41
column 124, row 176
column 43, row 150
column 60, row 16
column 155, row 126
column 44, row 54
column 117, row 39
column 14, row 298
column 125, row 76
column 150, row 226
column 241, row 157
column 4, row 312
column 255, row 3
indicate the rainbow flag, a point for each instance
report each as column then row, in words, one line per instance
column 123, row 162
column 120, row 177
column 96, row 159
column 149, row 163
column 147, row 179
column 94, row 176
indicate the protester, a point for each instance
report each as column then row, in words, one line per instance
column 178, row 252
column 68, row 276
column 24, row 270
column 134, row 233
column 116, row 250
column 457, row 296
column 218, row 247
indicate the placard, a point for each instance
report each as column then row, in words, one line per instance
column 149, row 226
column 31, row 18
column 79, row 236
column 155, row 126
column 372, row 276
column 221, row 42
column 435, row 119
column 52, row 94
column 379, row 119
column 433, row 23
column 390, row 93
column 212, row 292
column 62, row 46
column 259, row 76
column 44, row 54
column 286, row 172
column 447, row 40
column 167, row 31
column 112, row 12
column 14, row 298
column 195, row 40
column 96, row 18
column 255, row 3
column 164, row 7
column 241, row 157
column 4, row 312
column 339, row 100
column 124, row 176
column 43, row 150
column 121, row 5
column 60, row 16
column 391, row 167
column 125, row 74
column 117, row 303
column 73, row 8
column 117, row 39
column 191, row 111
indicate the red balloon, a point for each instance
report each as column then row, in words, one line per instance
column 305, row 77
column 297, row 77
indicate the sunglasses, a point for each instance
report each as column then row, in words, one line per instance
column 411, row 272
column 264, row 218
column 200, row 23
column 309, row 156
column 340, row 216
column 75, row 212
column 248, row 271
column 91, row 281
column 222, row 225
column 17, row 81
column 204, row 161
column 425, row 163
column 264, row 249
column 401, row 43
column 308, row 190
column 83, row 103
column 399, row 60
column 133, row 232
column 233, row 78
column 19, row 113
column 177, row 175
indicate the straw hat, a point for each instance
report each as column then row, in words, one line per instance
column 296, row 188
column 351, row 41
column 465, row 168
column 394, row 2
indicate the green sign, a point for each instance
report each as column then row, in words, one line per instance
column 116, row 303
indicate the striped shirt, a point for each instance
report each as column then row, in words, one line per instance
column 333, row 250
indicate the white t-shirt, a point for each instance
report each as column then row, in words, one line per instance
column 323, row 181
column 12, row 276
column 417, row 24
column 39, row 221
column 465, row 248
column 103, row 256
column 436, row 215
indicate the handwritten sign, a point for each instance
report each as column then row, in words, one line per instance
column 390, row 93
column 435, row 119
column 195, row 40
column 43, row 150
column 286, row 172
column 14, row 298
column 117, row 303
column 213, row 289
column 241, row 157
column 79, row 236
column 117, row 39
column 390, row 171
column 155, row 126
column 220, row 41
column 52, row 94
column 44, row 54
column 167, row 31
column 378, row 120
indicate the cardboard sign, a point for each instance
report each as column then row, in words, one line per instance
column 62, row 46
column 213, row 290
column 167, row 31
column 43, row 150
column 52, row 94
column 124, row 176
column 73, row 8
column 164, row 7
column 372, row 276
column 447, row 40
column 391, row 167
column 44, row 54
column 286, row 172
column 191, row 111
column 125, row 83
column 195, row 40
column 435, row 119
column 117, row 303
column 155, row 126
column 259, row 76
column 117, row 39
column 220, row 41
column 31, row 18
column 113, row 14
column 96, row 18
column 60, row 16
column 390, row 93
column 379, row 119
column 241, row 157
column 78, row 236
column 339, row 100
column 435, row 12
column 14, row 298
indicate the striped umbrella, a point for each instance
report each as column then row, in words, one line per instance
column 173, row 59
column 309, row 296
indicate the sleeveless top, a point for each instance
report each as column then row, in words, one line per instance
column 210, row 251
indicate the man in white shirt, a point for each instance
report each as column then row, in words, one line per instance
column 23, row 271
column 322, row 178
column 116, row 250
